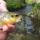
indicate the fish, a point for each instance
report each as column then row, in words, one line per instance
column 9, row 18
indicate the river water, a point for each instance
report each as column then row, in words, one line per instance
column 28, row 23
column 25, row 10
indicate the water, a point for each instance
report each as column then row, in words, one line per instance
column 28, row 23
column 25, row 10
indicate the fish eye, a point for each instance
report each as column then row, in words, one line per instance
column 17, row 15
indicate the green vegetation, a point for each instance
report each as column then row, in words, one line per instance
column 15, row 4
column 28, row 1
